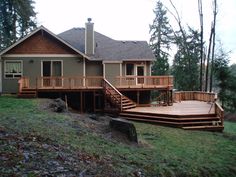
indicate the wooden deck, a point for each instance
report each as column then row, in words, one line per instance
column 180, row 108
column 92, row 82
column 188, row 115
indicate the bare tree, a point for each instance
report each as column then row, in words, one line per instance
column 202, row 43
column 213, row 41
column 208, row 60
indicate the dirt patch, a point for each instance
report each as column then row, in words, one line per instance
column 35, row 156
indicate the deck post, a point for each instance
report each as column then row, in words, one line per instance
column 0, row 75
column 94, row 101
column 138, row 94
column 84, row 71
column 81, row 102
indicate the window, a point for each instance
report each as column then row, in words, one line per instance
column 129, row 69
column 13, row 69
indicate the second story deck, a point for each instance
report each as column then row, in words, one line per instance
column 95, row 82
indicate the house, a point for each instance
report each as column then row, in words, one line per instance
column 95, row 73
column 76, row 63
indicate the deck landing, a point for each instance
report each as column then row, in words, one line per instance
column 189, row 115
column 180, row 108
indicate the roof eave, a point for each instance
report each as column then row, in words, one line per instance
column 51, row 33
column 140, row 59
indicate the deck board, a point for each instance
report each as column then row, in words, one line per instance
column 181, row 108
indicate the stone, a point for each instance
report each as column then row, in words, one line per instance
column 58, row 105
column 94, row 117
column 125, row 127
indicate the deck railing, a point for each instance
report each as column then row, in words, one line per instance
column 113, row 93
column 194, row 95
column 68, row 82
column 144, row 81
column 23, row 82
column 219, row 111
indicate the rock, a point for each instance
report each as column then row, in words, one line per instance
column 94, row 117
column 125, row 127
column 58, row 105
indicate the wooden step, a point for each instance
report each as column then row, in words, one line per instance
column 197, row 123
column 208, row 128
column 126, row 114
column 21, row 95
column 170, row 115
column 128, row 107
column 175, row 124
column 127, row 103
column 28, row 92
column 125, row 100
column 204, row 123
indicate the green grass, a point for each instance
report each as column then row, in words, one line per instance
column 168, row 151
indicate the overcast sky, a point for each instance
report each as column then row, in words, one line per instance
column 130, row 19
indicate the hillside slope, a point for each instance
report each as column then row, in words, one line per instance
column 34, row 141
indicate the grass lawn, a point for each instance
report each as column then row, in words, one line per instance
column 163, row 151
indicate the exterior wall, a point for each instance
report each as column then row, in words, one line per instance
column 111, row 71
column 71, row 66
column 41, row 43
column 94, row 68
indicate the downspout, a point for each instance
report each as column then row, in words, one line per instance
column 0, row 75
column 104, row 70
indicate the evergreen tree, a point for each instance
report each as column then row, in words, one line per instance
column 226, row 81
column 186, row 61
column 17, row 19
column 160, row 40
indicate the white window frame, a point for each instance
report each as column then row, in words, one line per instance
column 13, row 74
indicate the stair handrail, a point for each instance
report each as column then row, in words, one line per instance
column 219, row 111
column 23, row 82
column 106, row 82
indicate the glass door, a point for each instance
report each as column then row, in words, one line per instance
column 57, row 73
column 140, row 74
column 52, row 72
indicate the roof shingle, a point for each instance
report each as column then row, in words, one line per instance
column 107, row 48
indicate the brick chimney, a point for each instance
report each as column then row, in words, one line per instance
column 89, row 37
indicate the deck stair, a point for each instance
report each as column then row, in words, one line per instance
column 116, row 98
column 27, row 93
column 187, row 122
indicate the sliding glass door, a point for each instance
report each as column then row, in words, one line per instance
column 52, row 72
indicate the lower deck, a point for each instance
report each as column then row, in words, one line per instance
column 180, row 108
column 188, row 115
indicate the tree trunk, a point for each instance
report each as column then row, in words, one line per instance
column 208, row 60
column 213, row 45
column 201, row 55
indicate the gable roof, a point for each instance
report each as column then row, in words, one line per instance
column 107, row 48
column 50, row 33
